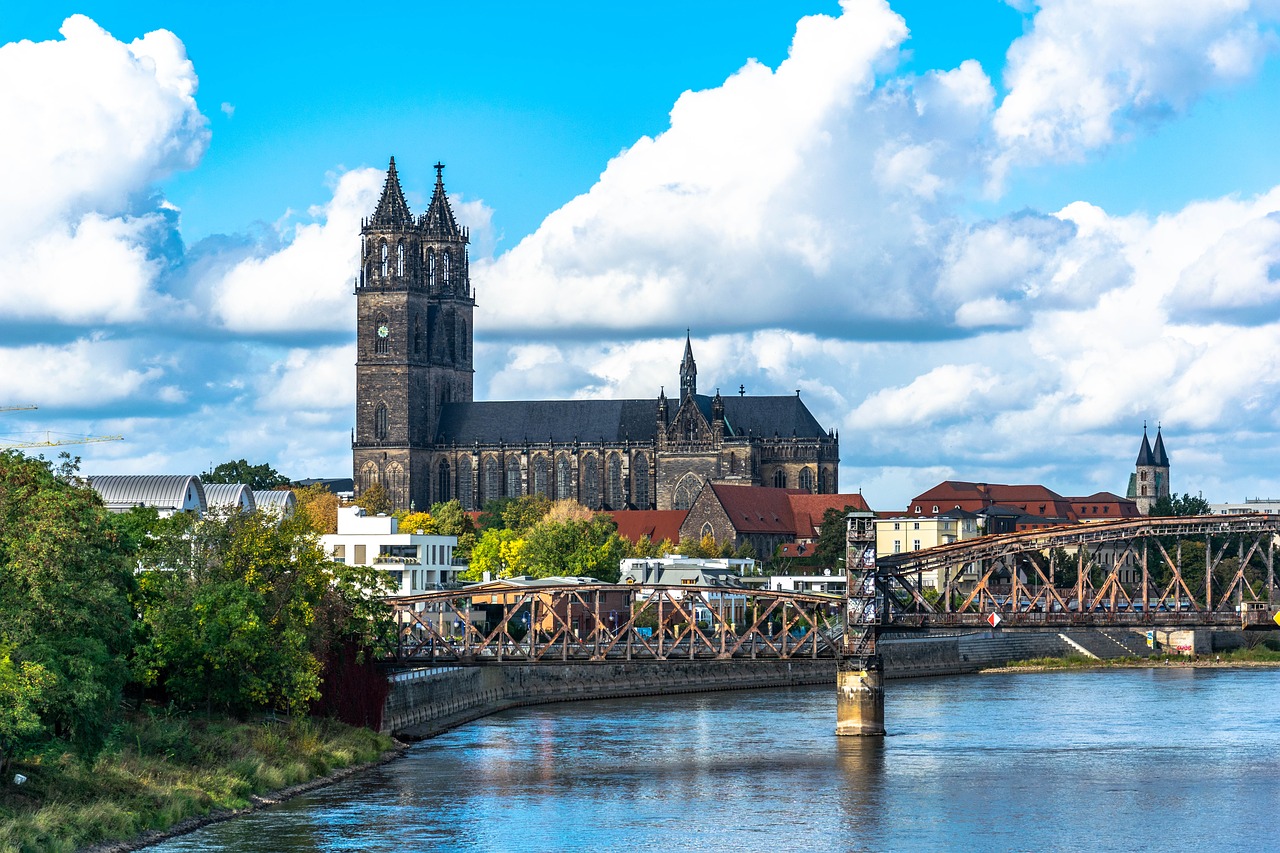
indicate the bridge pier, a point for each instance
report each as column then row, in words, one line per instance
column 860, row 697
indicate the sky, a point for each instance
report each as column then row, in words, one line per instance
column 985, row 241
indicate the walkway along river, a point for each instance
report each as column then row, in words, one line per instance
column 1135, row 759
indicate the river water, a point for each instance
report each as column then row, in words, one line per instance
column 1161, row 759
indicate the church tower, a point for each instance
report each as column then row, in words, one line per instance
column 1150, row 480
column 688, row 370
column 413, row 341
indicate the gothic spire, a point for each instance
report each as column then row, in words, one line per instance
column 1161, row 458
column 439, row 216
column 1144, row 453
column 392, row 209
column 688, row 370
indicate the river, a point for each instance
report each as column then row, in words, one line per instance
column 1143, row 759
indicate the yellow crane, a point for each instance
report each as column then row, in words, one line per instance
column 49, row 440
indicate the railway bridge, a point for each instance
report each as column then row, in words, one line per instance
column 1211, row 571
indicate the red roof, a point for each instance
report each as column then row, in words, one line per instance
column 1101, row 506
column 755, row 509
column 949, row 494
column 808, row 509
column 657, row 524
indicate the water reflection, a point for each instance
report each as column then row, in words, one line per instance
column 1060, row 761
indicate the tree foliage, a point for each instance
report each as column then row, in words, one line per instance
column 64, row 585
column 829, row 550
column 412, row 522
column 518, row 514
column 1180, row 505
column 374, row 500
column 257, row 477
column 500, row 552
column 319, row 507
column 452, row 520
column 22, row 685
column 236, row 612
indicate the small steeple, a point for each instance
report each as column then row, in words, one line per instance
column 688, row 370
column 1144, row 453
column 1161, row 458
column 392, row 209
column 439, row 216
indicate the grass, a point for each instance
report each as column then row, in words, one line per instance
column 158, row 769
column 1260, row 654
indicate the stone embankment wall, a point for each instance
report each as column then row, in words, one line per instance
column 426, row 702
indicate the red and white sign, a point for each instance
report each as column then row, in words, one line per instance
column 994, row 619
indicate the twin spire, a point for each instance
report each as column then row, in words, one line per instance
column 1152, row 456
column 393, row 210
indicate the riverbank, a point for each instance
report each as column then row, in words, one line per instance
column 1260, row 657
column 160, row 774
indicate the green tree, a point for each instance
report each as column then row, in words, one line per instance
column 64, row 584
column 375, row 500
column 236, row 611
column 829, row 550
column 500, row 552
column 412, row 522
column 319, row 507
column 452, row 520
column 257, row 477
column 21, row 687
column 1180, row 505
column 518, row 514
column 575, row 548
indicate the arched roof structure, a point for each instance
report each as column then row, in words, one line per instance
column 281, row 502
column 228, row 497
column 167, row 493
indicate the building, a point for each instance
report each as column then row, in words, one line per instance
column 166, row 493
column 279, row 502
column 420, row 433
column 723, row 573
column 1031, row 506
column 1149, row 481
column 1249, row 506
column 415, row 562
column 527, row 602
column 228, row 498
column 901, row 533
column 656, row 525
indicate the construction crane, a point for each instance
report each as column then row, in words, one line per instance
column 50, row 441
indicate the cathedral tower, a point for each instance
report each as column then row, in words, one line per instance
column 414, row 339
column 1150, row 480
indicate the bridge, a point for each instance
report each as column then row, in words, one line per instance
column 1130, row 573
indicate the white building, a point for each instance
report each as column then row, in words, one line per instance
column 167, row 494
column 1248, row 506
column 414, row 561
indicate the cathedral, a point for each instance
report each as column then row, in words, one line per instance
column 420, row 433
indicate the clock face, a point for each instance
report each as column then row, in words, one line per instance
column 383, row 331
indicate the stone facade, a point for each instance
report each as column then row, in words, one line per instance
column 420, row 434
column 1150, row 480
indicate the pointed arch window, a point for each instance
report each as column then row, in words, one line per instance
column 491, row 481
column 444, row 484
column 513, row 477
column 806, row 481
column 686, row 491
column 417, row 335
column 396, row 485
column 613, row 488
column 380, row 422
column 384, row 260
column 779, row 479
column 400, row 258
column 431, row 268
column 564, row 479
column 640, row 482
column 446, row 263
column 824, row 481
column 589, row 486
column 540, row 476
column 466, row 484
column 381, row 335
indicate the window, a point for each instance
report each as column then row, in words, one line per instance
column 380, row 422
column 513, row 477
column 359, row 555
column 417, row 335
column 491, row 483
column 590, row 483
column 384, row 260
column 935, row 509
column 564, row 479
column 706, row 529
column 917, row 508
column 897, row 546
column 540, row 476
column 806, row 479
column 1142, row 475
column 431, row 268
column 400, row 258
column 613, row 487
column 779, row 479
column 443, row 482
column 445, row 263
column 640, row 482
column 686, row 491
column 466, row 486
column 897, row 525
column 915, row 525
column 339, row 553
column 915, row 544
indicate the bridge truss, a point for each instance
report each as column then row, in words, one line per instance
column 554, row 622
column 1017, row 576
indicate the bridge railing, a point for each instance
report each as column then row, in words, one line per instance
column 532, row 623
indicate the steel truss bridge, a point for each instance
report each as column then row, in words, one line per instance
column 555, row 622
column 1009, row 575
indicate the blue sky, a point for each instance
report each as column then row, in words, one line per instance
column 987, row 240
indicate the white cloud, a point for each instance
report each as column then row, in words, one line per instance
column 1090, row 71
column 91, row 124
column 84, row 373
column 307, row 284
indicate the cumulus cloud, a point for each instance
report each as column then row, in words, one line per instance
column 1091, row 71
column 93, row 123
